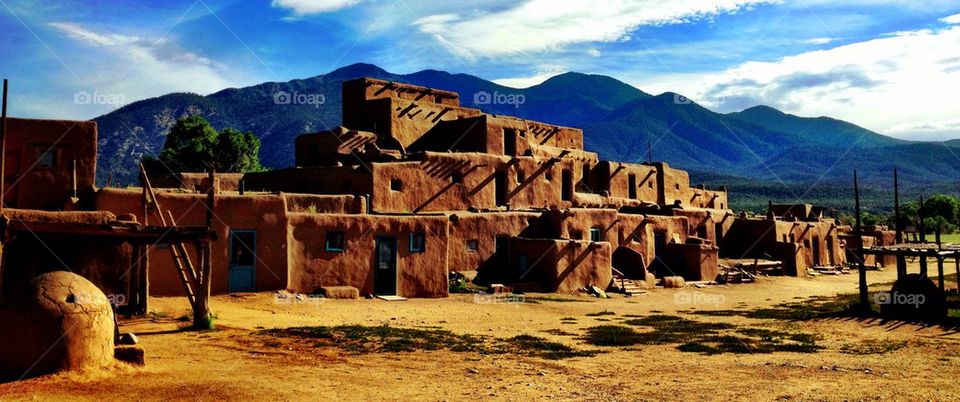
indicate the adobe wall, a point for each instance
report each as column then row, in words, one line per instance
column 197, row 181
column 615, row 178
column 452, row 182
column 484, row 228
column 328, row 148
column 850, row 249
column 575, row 224
column 33, row 186
column 419, row 274
column 673, row 183
column 638, row 233
column 330, row 204
column 356, row 180
column 563, row 265
column 263, row 213
column 400, row 122
column 694, row 262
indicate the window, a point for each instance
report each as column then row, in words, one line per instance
column 472, row 245
column 418, row 242
column 650, row 183
column 396, row 185
column 335, row 240
column 576, row 234
column 456, row 178
column 596, row 234
column 677, row 186
column 47, row 159
column 521, row 177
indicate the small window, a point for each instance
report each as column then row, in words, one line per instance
column 47, row 159
column 596, row 234
column 677, row 186
column 437, row 99
column 456, row 178
column 548, row 175
column 576, row 234
column 650, row 183
column 521, row 177
column 472, row 245
column 396, row 185
column 418, row 242
column 335, row 240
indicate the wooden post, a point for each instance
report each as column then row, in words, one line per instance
column 864, row 301
column 940, row 271
column 202, row 317
column 3, row 148
column 957, row 261
column 896, row 207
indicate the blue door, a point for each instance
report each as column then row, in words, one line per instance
column 243, row 260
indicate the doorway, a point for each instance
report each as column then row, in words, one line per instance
column 243, row 261
column 566, row 185
column 500, row 184
column 385, row 268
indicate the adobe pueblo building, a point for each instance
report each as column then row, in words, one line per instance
column 413, row 187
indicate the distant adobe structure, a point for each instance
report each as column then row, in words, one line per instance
column 413, row 187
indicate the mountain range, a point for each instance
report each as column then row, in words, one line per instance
column 620, row 122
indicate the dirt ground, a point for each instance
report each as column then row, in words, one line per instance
column 860, row 358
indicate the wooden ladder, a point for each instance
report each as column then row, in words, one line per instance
column 181, row 259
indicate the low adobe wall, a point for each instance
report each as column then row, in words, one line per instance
column 483, row 229
column 263, row 213
column 563, row 266
column 419, row 274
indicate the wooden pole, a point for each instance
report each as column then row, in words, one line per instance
column 896, row 207
column 923, row 239
column 3, row 147
column 957, row 261
column 864, row 301
column 202, row 317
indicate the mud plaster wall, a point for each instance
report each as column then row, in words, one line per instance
column 104, row 262
column 695, row 262
column 575, row 223
column 40, row 187
column 326, row 148
column 563, row 265
column 403, row 121
column 330, row 204
column 638, row 232
column 450, row 182
column 484, row 228
column 356, row 180
column 197, row 181
column 419, row 274
column 616, row 178
column 264, row 214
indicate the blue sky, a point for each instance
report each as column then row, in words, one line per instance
column 889, row 65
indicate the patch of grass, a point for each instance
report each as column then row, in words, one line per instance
column 703, row 337
column 537, row 346
column 613, row 335
column 158, row 315
column 601, row 313
column 813, row 307
column 558, row 332
column 377, row 339
column 537, row 299
column 876, row 347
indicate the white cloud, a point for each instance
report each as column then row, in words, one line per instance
column 133, row 68
column 927, row 130
column 953, row 19
column 818, row 41
column 882, row 84
column 543, row 25
column 594, row 52
column 527, row 82
column 307, row 7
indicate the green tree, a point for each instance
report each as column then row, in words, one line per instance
column 944, row 206
column 193, row 144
